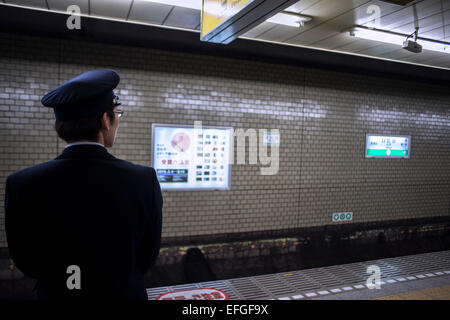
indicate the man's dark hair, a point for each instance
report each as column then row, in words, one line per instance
column 82, row 129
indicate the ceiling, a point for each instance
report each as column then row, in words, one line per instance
column 330, row 18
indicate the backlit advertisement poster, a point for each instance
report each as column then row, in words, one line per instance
column 192, row 158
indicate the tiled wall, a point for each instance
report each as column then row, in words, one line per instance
column 322, row 117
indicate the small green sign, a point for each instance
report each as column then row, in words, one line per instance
column 272, row 138
column 342, row 216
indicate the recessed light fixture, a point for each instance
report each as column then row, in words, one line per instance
column 291, row 19
column 397, row 38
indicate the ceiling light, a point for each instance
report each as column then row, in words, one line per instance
column 399, row 2
column 289, row 19
column 191, row 4
column 398, row 38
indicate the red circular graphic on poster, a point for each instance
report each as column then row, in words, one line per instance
column 180, row 141
column 194, row 294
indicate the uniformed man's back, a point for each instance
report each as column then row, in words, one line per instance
column 86, row 224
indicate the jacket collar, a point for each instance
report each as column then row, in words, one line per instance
column 85, row 151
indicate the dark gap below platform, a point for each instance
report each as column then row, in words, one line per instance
column 312, row 255
column 318, row 251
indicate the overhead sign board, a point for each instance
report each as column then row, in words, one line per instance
column 225, row 20
column 385, row 146
column 187, row 158
column 215, row 12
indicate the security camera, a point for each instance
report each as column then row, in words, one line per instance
column 412, row 46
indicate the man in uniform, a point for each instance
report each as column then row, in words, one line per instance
column 86, row 224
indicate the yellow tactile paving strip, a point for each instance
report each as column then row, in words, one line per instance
column 436, row 293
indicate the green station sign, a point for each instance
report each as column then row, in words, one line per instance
column 384, row 146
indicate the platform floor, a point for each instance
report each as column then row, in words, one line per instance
column 436, row 293
column 422, row 276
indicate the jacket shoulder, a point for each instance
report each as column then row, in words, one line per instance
column 49, row 167
column 135, row 167
column 30, row 171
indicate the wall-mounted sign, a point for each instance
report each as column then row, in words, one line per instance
column 224, row 20
column 384, row 146
column 194, row 294
column 271, row 138
column 342, row 216
column 188, row 158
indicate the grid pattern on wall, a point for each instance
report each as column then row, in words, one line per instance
column 322, row 117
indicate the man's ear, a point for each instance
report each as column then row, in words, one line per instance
column 106, row 124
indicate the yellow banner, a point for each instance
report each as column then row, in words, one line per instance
column 215, row 12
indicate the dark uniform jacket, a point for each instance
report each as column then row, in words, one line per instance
column 89, row 209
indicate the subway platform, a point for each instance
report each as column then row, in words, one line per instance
column 413, row 277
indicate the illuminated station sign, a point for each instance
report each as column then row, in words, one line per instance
column 384, row 146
